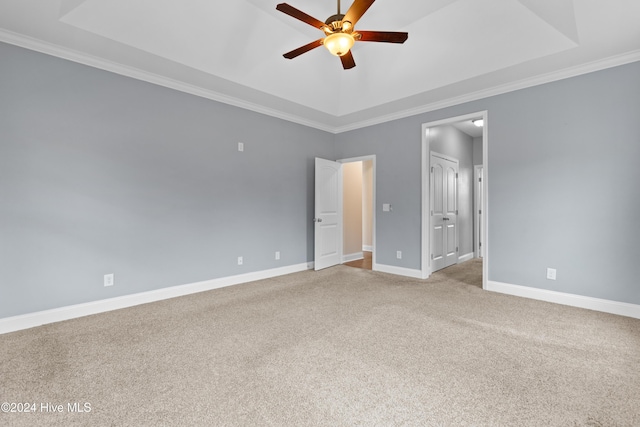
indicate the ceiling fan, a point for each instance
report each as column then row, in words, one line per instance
column 339, row 32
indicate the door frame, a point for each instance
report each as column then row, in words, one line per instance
column 425, row 196
column 371, row 157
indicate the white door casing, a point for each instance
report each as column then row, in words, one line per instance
column 444, row 211
column 328, row 214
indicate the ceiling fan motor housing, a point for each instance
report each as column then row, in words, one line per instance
column 334, row 23
column 340, row 34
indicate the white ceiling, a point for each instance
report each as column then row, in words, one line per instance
column 231, row 50
column 469, row 128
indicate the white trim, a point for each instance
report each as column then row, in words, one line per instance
column 466, row 257
column 103, row 64
column 398, row 271
column 146, row 76
column 367, row 248
column 485, row 200
column 352, row 257
column 425, row 266
column 566, row 73
column 25, row 321
column 590, row 303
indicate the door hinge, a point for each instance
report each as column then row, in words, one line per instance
column 431, row 256
column 431, row 169
column 456, row 211
column 480, row 211
column 456, row 175
column 456, row 249
column 479, row 179
column 480, row 244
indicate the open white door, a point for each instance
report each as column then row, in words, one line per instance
column 478, row 203
column 328, row 214
column 444, row 211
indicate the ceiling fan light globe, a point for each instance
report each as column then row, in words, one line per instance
column 338, row 44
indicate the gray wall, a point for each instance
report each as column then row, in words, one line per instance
column 104, row 174
column 477, row 151
column 101, row 173
column 562, row 183
column 398, row 174
column 454, row 143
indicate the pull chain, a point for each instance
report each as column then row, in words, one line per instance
column 338, row 7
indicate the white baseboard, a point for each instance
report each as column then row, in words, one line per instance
column 352, row 257
column 399, row 271
column 367, row 248
column 466, row 257
column 25, row 321
column 597, row 304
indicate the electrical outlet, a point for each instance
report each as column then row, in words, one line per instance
column 240, row 260
column 551, row 273
column 108, row 279
column 277, row 255
column 240, row 146
column 399, row 254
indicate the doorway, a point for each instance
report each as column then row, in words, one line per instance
column 359, row 212
column 436, row 136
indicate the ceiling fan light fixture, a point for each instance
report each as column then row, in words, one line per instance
column 339, row 43
column 478, row 122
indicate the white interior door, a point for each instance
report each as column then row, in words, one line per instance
column 328, row 214
column 478, row 214
column 444, row 211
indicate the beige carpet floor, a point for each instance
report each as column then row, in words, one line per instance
column 339, row 347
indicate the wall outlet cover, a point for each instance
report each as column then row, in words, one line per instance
column 109, row 279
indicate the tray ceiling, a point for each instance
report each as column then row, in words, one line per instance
column 232, row 50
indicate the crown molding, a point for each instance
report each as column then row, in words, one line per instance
column 146, row 76
column 566, row 73
column 103, row 64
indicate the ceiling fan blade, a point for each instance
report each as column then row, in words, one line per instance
column 382, row 36
column 357, row 9
column 303, row 49
column 347, row 61
column 298, row 14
